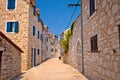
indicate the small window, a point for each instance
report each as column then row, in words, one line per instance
column 38, row 35
column 38, row 51
column 12, row 26
column 94, row 45
column 39, row 18
column 92, row 7
column 51, row 50
column 34, row 10
column 11, row 4
column 33, row 30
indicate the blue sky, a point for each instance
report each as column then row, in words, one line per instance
column 51, row 9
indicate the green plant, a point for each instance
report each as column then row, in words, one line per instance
column 65, row 41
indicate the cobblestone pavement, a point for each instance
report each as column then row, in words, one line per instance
column 53, row 69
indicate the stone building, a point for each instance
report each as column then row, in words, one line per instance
column 101, row 39
column 20, row 21
column 74, row 56
column 56, row 47
column 10, row 59
column 46, row 44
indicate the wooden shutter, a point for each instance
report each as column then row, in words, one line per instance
column 12, row 4
column 16, row 26
column 38, row 17
column 92, row 7
column 38, row 35
column 34, row 10
column 8, row 27
column 34, row 30
column 9, row 4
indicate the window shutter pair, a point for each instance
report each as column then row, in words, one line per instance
column 10, row 25
column 11, row 4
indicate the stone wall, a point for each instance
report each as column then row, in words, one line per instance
column 33, row 41
column 23, row 13
column 11, row 61
column 73, row 57
column 104, row 64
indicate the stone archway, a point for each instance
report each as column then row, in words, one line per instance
column 79, row 56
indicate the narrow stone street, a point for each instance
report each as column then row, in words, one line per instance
column 53, row 69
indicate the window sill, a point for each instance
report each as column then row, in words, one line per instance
column 93, row 51
column 90, row 17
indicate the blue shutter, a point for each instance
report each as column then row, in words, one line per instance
column 8, row 27
column 38, row 34
column 12, row 4
column 16, row 26
column 9, row 4
column 33, row 30
column 38, row 17
column 34, row 11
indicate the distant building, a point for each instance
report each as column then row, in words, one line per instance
column 10, row 59
column 46, row 44
column 20, row 21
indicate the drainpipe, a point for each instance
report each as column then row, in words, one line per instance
column 82, row 41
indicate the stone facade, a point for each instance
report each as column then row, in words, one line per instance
column 46, row 44
column 73, row 57
column 103, row 64
column 23, row 13
column 10, row 59
column 104, row 25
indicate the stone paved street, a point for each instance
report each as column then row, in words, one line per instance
column 53, row 69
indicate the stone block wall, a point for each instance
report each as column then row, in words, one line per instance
column 104, row 64
column 33, row 41
column 74, row 56
column 23, row 13
column 11, row 61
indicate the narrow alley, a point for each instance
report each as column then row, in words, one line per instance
column 53, row 69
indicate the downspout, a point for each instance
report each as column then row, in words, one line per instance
column 82, row 40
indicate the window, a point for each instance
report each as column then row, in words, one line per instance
column 38, row 35
column 39, row 18
column 33, row 30
column 92, row 7
column 47, row 39
column 34, row 10
column 94, row 45
column 12, row 26
column 38, row 51
column 51, row 50
column 11, row 4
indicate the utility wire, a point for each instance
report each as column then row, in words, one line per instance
column 58, row 16
column 72, row 15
